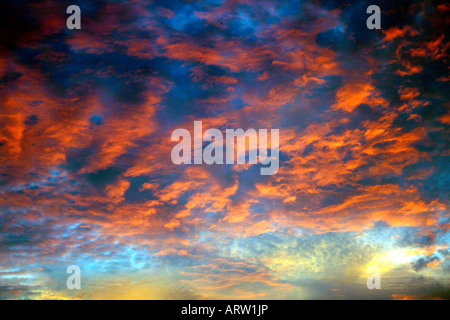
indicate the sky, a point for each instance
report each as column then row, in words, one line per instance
column 86, row 176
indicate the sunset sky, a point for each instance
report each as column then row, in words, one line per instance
column 86, row 176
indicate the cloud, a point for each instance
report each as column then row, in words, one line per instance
column 86, row 176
